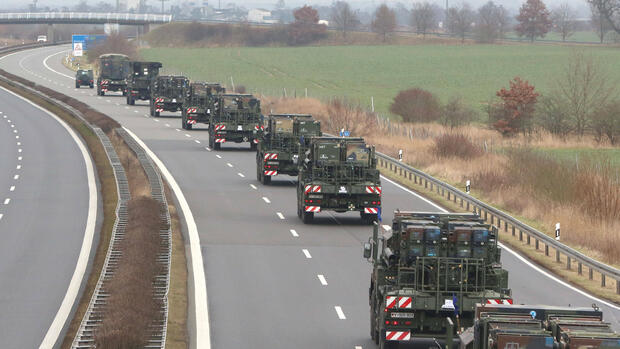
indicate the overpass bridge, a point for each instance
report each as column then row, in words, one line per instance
column 51, row 18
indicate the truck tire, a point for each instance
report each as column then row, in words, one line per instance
column 77, row 85
column 368, row 218
column 266, row 180
column 125, row 93
column 253, row 146
column 103, row 93
column 217, row 146
column 91, row 86
column 307, row 217
column 212, row 144
column 156, row 114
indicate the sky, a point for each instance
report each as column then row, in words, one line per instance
column 512, row 5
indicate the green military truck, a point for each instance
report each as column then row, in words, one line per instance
column 338, row 174
column 196, row 105
column 429, row 272
column 84, row 78
column 141, row 74
column 113, row 70
column 282, row 138
column 538, row 326
column 234, row 118
column 168, row 92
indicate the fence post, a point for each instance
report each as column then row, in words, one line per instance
column 547, row 250
column 602, row 280
column 513, row 230
column 580, row 268
column 568, row 262
column 536, row 241
column 505, row 226
column 520, row 235
column 557, row 255
column 528, row 238
column 591, row 273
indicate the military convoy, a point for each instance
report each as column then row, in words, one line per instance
column 113, row 70
column 234, row 118
column 196, row 107
column 338, row 174
column 141, row 75
column 283, row 137
column 168, row 93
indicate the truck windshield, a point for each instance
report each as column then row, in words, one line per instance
column 284, row 125
column 112, row 71
column 357, row 153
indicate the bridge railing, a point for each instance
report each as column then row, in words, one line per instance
column 112, row 16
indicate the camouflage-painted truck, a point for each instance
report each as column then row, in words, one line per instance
column 168, row 93
column 283, row 137
column 538, row 326
column 141, row 74
column 196, row 105
column 113, row 70
column 338, row 174
column 429, row 272
column 234, row 118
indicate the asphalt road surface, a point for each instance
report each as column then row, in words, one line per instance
column 272, row 281
column 43, row 213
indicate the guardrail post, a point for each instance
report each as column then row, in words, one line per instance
column 567, row 262
column 499, row 222
column 505, row 226
column 448, row 194
column 557, row 255
column 467, row 205
column 432, row 186
column 547, row 250
column 536, row 241
column 492, row 219
column 485, row 215
column 461, row 202
column 425, row 184
column 617, row 286
column 602, row 280
column 591, row 273
column 520, row 235
column 579, row 268
column 529, row 237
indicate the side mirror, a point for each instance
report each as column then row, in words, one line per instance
column 367, row 250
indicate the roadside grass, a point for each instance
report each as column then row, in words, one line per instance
column 609, row 156
column 357, row 73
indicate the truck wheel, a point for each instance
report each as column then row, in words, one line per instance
column 266, row 179
column 91, row 86
column 156, row 114
column 212, row 145
column 368, row 218
column 132, row 100
column 124, row 92
column 103, row 93
column 253, row 145
column 217, row 146
column 77, row 85
column 307, row 216
column 189, row 126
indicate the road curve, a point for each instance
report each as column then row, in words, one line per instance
column 44, row 208
column 272, row 282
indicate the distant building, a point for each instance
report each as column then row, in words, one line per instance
column 322, row 21
column 259, row 15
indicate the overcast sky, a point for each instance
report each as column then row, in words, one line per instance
column 513, row 5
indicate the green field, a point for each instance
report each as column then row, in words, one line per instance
column 473, row 72
column 609, row 156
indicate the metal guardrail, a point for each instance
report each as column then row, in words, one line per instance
column 466, row 201
column 84, row 17
column 162, row 283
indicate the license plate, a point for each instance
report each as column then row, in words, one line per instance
column 272, row 163
column 403, row 315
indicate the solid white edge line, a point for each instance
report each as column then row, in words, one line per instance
column 520, row 257
column 203, row 335
column 340, row 313
column 57, row 72
column 61, row 317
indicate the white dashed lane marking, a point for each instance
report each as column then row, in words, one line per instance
column 218, row 156
column 229, row 164
column 19, row 167
column 306, row 253
column 6, row 201
column 240, row 174
column 294, row 233
column 266, row 199
column 253, row 186
column 16, row 177
column 12, row 188
column 19, row 158
column 322, row 279
column 1, row 215
column 340, row 313
column 280, row 215
column 197, row 141
column 186, row 135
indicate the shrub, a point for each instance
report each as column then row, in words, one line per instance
column 416, row 105
column 456, row 145
column 552, row 116
column 341, row 114
column 306, row 28
column 455, row 114
column 515, row 110
column 606, row 122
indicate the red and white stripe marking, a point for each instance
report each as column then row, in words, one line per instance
column 191, row 122
column 371, row 210
column 220, row 127
column 271, row 173
column 373, row 189
column 312, row 189
column 397, row 335
column 313, row 208
column 158, row 110
column 499, row 301
column 398, row 302
column 255, row 141
column 157, row 100
column 220, row 140
column 271, row 156
column 191, row 110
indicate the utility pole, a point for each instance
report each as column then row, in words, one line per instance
column 162, row 5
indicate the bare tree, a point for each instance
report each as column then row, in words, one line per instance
column 610, row 9
column 584, row 88
column 488, row 23
column 343, row 18
column 384, row 21
column 423, row 17
column 563, row 18
column 503, row 19
column 600, row 24
column 460, row 20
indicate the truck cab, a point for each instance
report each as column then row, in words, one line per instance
column 196, row 105
column 234, row 118
column 84, row 78
column 141, row 74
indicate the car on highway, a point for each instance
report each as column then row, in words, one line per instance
column 84, row 78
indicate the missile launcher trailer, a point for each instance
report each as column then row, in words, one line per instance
column 141, row 75
column 538, row 326
column 168, row 93
column 196, row 106
column 234, row 118
column 429, row 272
column 283, row 138
column 338, row 174
column 113, row 70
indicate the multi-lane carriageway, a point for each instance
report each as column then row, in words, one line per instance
column 271, row 281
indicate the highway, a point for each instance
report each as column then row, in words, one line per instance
column 44, row 206
column 272, row 281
